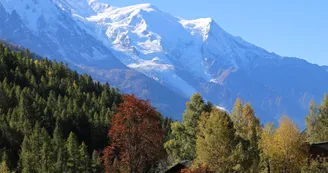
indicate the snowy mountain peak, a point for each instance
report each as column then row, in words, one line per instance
column 146, row 7
column 31, row 11
column 76, row 7
column 198, row 27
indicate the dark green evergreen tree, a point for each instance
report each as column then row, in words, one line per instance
column 84, row 160
column 73, row 153
column 182, row 145
column 95, row 163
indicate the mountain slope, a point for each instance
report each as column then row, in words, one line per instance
column 170, row 57
column 50, row 31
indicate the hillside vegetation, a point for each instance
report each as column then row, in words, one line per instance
column 54, row 120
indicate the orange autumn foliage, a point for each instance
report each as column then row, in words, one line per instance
column 136, row 136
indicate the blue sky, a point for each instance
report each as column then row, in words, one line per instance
column 297, row 28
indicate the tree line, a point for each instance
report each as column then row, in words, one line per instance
column 54, row 120
column 216, row 141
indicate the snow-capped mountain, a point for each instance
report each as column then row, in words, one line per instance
column 199, row 47
column 142, row 49
column 52, row 31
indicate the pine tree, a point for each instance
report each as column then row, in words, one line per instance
column 47, row 158
column 73, row 153
column 59, row 150
column 26, row 157
column 95, row 164
column 28, row 53
column 36, row 142
column 84, row 160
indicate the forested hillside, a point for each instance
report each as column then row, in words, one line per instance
column 42, row 103
column 53, row 120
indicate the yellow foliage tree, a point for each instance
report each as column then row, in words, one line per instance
column 237, row 115
column 283, row 148
column 4, row 168
column 216, row 142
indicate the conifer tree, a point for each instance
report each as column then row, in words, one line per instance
column 84, row 160
column 47, row 158
column 95, row 163
column 73, row 153
column 26, row 157
column 59, row 149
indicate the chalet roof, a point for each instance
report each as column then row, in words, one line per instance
column 322, row 145
column 320, row 148
column 179, row 166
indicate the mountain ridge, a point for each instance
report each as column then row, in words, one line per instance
column 182, row 56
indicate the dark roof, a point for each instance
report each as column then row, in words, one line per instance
column 179, row 166
column 320, row 148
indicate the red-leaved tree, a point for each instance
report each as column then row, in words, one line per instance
column 136, row 137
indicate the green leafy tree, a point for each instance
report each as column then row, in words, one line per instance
column 312, row 121
column 248, row 129
column 182, row 145
column 216, row 142
column 317, row 122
